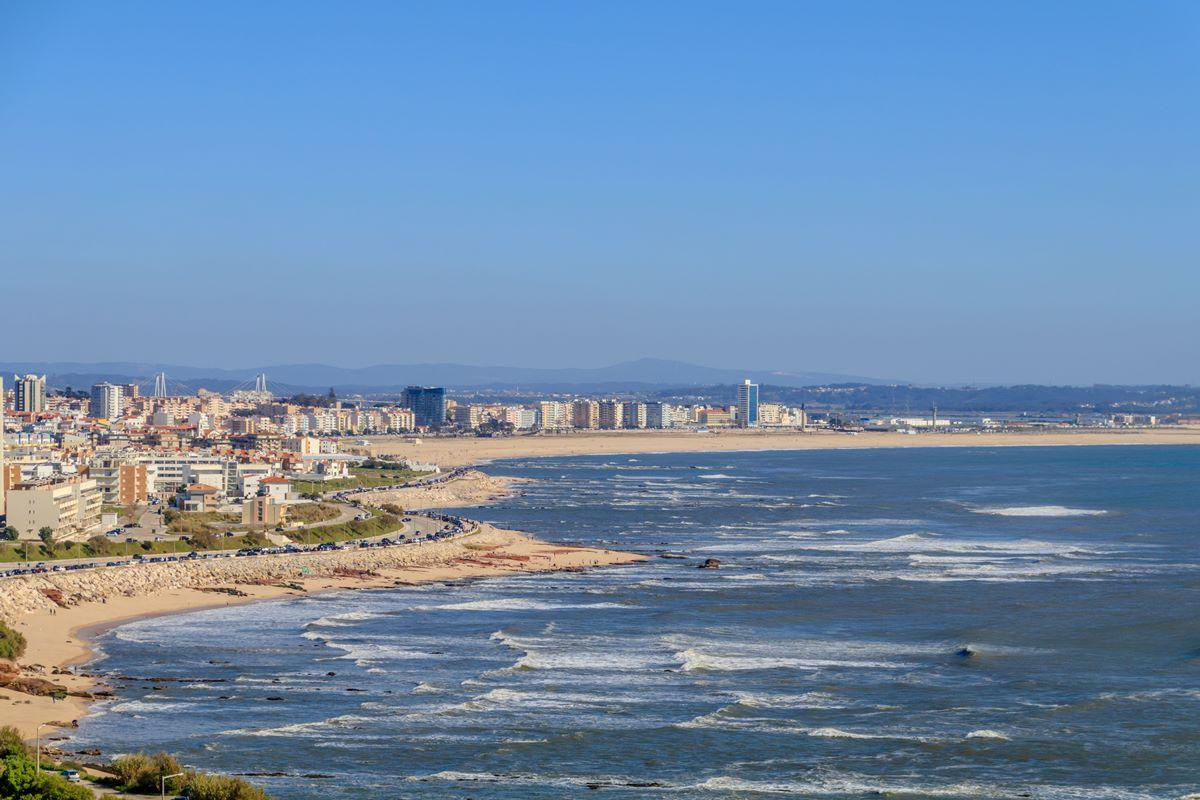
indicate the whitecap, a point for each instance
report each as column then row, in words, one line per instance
column 1038, row 511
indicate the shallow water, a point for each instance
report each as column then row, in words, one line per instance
column 821, row 660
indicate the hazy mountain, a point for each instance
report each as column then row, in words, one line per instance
column 642, row 373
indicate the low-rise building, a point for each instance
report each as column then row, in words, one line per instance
column 67, row 505
column 196, row 497
column 266, row 511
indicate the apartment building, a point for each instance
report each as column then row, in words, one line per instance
column 553, row 415
column 633, row 415
column 612, row 414
column 69, row 505
column 121, row 480
column 585, row 414
column 107, row 401
column 29, row 393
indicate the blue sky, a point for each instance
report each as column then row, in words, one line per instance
column 927, row 191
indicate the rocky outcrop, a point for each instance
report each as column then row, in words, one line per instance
column 25, row 594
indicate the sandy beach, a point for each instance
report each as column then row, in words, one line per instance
column 59, row 612
column 473, row 488
column 461, row 451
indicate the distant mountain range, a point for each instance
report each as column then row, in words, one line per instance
column 642, row 374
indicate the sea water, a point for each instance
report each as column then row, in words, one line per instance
column 983, row 622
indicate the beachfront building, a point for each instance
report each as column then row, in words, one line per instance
column 29, row 393
column 612, row 414
column 553, row 415
column 713, row 417
column 66, row 504
column 633, row 416
column 585, row 414
column 747, row 404
column 428, row 404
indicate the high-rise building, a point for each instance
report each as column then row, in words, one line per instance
column 585, row 414
column 612, row 414
column 633, row 416
column 106, row 401
column 747, row 404
column 30, row 393
column 659, row 415
column 553, row 415
column 428, row 404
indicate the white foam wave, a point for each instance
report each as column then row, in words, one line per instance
column 988, row 733
column 318, row 728
column 1038, row 511
column 514, row 604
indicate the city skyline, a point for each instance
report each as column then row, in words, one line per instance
column 941, row 193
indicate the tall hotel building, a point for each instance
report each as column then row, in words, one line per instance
column 747, row 404
column 428, row 404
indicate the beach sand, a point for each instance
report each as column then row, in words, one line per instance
column 471, row 489
column 59, row 637
column 461, row 451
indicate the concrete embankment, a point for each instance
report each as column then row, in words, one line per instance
column 26, row 594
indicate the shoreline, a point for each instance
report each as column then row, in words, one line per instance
column 468, row 451
column 58, row 647
column 61, row 639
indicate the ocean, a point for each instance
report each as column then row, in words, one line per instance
column 976, row 622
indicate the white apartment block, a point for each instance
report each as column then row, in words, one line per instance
column 68, row 506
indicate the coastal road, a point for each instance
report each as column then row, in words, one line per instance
column 418, row 527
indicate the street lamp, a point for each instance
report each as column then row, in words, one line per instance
column 162, row 783
column 38, row 733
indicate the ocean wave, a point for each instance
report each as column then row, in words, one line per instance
column 695, row 660
column 988, row 733
column 143, row 706
column 1037, row 511
column 514, row 604
column 344, row 620
column 298, row 729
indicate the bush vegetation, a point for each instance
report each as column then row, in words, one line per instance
column 19, row 779
column 142, row 773
column 12, row 642
column 312, row 512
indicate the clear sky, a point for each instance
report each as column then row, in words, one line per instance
column 934, row 191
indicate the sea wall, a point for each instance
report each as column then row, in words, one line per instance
column 25, row 594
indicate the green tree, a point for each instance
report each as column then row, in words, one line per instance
column 8, row 533
column 100, row 545
column 11, row 743
column 46, row 534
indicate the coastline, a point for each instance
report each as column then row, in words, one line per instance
column 464, row 451
column 60, row 637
